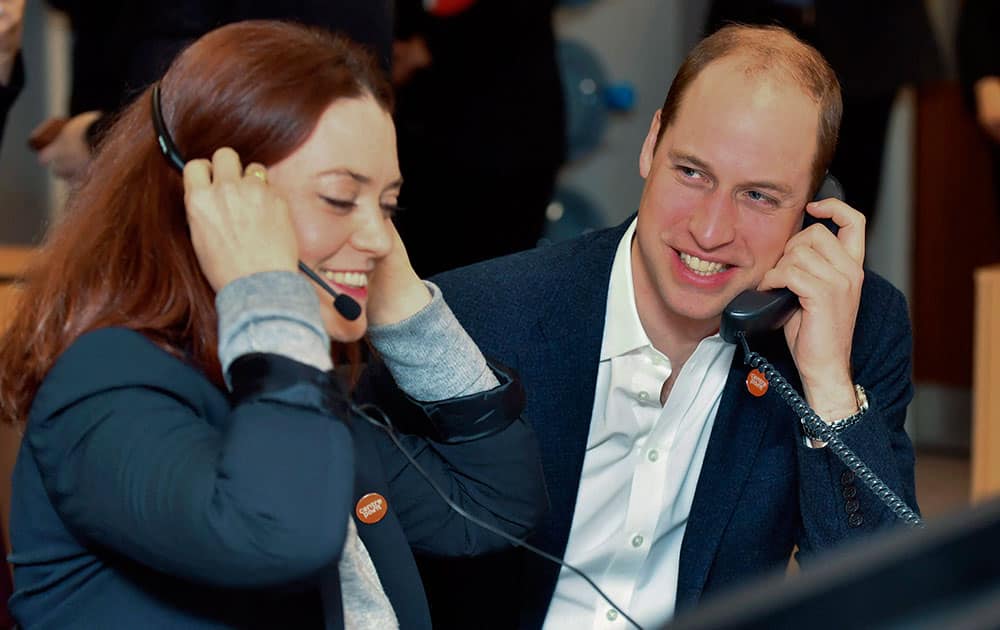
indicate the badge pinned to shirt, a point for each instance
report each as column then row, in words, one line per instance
column 371, row 508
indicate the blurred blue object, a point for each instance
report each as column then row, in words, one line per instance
column 570, row 214
column 574, row 3
column 589, row 97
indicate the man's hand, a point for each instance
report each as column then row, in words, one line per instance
column 988, row 105
column 11, row 28
column 395, row 291
column 239, row 224
column 825, row 271
column 68, row 155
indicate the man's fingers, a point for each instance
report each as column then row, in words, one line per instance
column 826, row 244
column 850, row 222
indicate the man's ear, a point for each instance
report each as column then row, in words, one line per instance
column 649, row 146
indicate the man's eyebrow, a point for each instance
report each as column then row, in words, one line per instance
column 778, row 188
column 679, row 156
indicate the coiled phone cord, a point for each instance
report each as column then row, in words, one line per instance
column 384, row 424
column 828, row 435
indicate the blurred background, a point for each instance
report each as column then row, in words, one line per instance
column 584, row 78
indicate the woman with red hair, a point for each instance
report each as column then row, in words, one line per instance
column 189, row 457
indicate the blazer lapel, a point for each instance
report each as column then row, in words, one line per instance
column 732, row 448
column 560, row 363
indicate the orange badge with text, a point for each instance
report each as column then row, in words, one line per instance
column 371, row 508
column 756, row 383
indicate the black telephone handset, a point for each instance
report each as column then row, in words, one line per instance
column 752, row 311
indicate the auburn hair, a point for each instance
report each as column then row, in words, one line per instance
column 121, row 254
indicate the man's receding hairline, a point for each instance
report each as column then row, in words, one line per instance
column 758, row 67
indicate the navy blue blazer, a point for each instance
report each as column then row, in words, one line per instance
column 761, row 491
column 145, row 497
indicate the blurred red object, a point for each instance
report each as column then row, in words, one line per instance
column 46, row 133
column 446, row 8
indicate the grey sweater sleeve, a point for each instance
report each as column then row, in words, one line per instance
column 272, row 311
column 430, row 355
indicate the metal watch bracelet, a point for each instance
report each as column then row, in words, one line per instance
column 862, row 397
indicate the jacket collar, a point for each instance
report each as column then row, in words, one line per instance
column 732, row 449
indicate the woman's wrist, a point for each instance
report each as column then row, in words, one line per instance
column 430, row 355
column 276, row 312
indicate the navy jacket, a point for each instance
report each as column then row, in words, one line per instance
column 761, row 490
column 144, row 497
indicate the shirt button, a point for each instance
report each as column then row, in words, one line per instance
column 653, row 455
column 637, row 540
column 643, row 396
column 612, row 614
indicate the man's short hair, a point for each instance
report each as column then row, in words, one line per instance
column 770, row 50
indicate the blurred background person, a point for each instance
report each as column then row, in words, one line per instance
column 11, row 67
column 875, row 48
column 481, row 126
column 97, row 61
column 119, row 48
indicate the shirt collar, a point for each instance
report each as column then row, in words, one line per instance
column 623, row 331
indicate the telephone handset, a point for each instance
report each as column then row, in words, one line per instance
column 752, row 311
column 761, row 311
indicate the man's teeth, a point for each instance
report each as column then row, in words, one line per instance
column 347, row 278
column 702, row 267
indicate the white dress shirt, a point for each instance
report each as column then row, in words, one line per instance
column 640, row 469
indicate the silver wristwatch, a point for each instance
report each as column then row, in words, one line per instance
column 862, row 397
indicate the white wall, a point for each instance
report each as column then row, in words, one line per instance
column 641, row 42
column 28, row 193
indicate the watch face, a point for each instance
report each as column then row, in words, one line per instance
column 862, row 397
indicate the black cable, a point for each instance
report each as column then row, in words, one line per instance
column 821, row 429
column 386, row 426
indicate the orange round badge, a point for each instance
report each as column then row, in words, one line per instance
column 756, row 383
column 371, row 508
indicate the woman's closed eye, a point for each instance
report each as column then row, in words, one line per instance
column 341, row 205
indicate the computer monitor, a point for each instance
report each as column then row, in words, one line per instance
column 946, row 575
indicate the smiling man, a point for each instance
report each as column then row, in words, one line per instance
column 669, row 480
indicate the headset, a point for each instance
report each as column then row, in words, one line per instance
column 345, row 304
